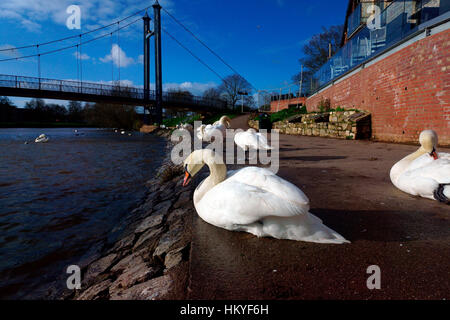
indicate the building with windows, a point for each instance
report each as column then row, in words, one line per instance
column 394, row 62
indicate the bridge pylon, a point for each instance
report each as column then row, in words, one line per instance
column 147, row 35
column 158, row 61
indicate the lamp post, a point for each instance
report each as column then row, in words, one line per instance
column 242, row 93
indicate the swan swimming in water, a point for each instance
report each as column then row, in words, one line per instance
column 254, row 200
column 250, row 139
column 41, row 139
column 207, row 132
column 425, row 172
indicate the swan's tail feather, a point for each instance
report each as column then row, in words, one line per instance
column 307, row 228
column 442, row 193
column 266, row 147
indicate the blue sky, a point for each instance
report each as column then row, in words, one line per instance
column 261, row 39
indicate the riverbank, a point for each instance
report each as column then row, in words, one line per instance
column 149, row 259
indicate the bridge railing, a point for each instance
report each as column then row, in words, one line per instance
column 100, row 89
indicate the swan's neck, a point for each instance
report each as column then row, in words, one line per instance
column 218, row 173
column 403, row 164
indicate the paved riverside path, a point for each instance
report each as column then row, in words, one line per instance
column 349, row 188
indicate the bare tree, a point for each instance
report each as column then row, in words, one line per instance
column 316, row 51
column 232, row 87
column 211, row 93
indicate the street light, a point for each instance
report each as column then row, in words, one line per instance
column 242, row 93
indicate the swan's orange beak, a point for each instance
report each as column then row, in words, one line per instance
column 434, row 155
column 187, row 178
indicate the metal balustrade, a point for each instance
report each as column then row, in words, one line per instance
column 400, row 19
column 106, row 90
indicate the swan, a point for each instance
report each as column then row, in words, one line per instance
column 425, row 172
column 254, row 200
column 41, row 138
column 250, row 139
column 185, row 126
column 207, row 132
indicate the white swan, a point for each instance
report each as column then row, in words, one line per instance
column 250, row 139
column 424, row 173
column 206, row 133
column 42, row 138
column 185, row 126
column 254, row 200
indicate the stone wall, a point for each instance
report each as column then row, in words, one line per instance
column 341, row 124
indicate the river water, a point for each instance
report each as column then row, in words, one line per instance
column 59, row 198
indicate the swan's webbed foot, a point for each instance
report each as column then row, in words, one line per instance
column 439, row 194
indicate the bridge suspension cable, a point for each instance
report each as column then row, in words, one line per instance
column 71, row 46
column 118, row 49
column 206, row 46
column 193, row 54
column 75, row 36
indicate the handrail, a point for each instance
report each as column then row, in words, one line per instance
column 72, row 86
column 366, row 44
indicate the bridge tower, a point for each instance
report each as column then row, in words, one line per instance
column 158, row 63
column 147, row 35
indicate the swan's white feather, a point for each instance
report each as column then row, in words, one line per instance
column 247, row 139
column 423, row 176
column 257, row 201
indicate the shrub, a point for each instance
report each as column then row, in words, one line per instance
column 324, row 105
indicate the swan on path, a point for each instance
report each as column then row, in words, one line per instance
column 207, row 132
column 425, row 172
column 41, row 139
column 254, row 200
column 251, row 139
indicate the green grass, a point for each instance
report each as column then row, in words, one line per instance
column 173, row 122
column 287, row 113
column 217, row 117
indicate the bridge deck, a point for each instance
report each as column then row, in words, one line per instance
column 19, row 86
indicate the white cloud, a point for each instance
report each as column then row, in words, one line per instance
column 141, row 59
column 118, row 56
column 196, row 88
column 82, row 56
column 31, row 14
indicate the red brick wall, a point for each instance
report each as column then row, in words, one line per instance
column 406, row 92
column 276, row 106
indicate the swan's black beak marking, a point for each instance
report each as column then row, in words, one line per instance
column 434, row 154
column 187, row 177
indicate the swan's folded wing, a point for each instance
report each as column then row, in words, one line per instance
column 267, row 180
column 438, row 170
column 233, row 202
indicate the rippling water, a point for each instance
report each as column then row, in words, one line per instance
column 60, row 197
